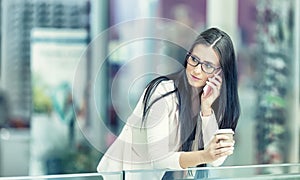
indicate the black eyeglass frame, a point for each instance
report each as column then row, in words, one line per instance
column 201, row 63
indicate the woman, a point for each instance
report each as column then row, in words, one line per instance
column 174, row 123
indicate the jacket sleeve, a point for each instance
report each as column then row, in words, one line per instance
column 112, row 160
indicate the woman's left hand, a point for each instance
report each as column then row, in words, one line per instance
column 217, row 148
column 213, row 84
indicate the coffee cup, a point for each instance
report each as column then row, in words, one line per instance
column 227, row 132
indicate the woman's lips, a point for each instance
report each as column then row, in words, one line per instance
column 195, row 78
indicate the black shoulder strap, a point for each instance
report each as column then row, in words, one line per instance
column 150, row 90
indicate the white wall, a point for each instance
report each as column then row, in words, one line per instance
column 224, row 14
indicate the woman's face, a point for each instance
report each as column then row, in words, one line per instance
column 195, row 75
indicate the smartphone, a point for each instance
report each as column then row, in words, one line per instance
column 207, row 88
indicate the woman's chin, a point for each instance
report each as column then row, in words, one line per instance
column 196, row 85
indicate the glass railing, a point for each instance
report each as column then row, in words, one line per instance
column 253, row 172
column 81, row 176
column 265, row 172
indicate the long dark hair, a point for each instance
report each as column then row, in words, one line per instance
column 226, row 107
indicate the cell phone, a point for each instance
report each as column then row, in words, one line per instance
column 206, row 90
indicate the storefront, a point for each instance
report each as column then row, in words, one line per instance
column 72, row 73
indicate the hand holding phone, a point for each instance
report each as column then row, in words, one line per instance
column 207, row 89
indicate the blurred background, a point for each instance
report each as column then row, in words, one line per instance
column 64, row 66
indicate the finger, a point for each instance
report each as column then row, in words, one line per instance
column 218, row 72
column 215, row 80
column 227, row 153
column 212, row 85
column 218, row 78
column 217, row 138
column 222, row 144
column 224, row 151
column 216, row 84
column 221, row 137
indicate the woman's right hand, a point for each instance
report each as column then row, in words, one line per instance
column 218, row 148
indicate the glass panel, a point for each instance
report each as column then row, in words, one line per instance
column 269, row 104
column 83, row 176
column 271, row 171
column 275, row 103
column 280, row 171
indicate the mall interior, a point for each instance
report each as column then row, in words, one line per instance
column 72, row 71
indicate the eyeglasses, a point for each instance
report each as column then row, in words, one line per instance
column 195, row 61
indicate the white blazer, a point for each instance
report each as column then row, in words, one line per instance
column 156, row 145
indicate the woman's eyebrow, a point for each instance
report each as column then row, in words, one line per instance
column 210, row 63
column 207, row 62
column 196, row 57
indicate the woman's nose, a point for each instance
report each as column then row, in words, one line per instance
column 198, row 69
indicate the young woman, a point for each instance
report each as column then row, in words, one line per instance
column 174, row 123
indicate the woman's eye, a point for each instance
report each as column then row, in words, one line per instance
column 194, row 59
column 208, row 66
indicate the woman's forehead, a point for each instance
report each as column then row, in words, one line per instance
column 206, row 53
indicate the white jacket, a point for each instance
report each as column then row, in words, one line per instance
column 156, row 145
